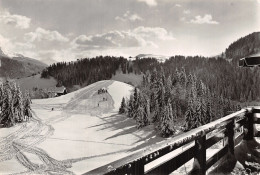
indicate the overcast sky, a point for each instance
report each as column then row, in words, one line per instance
column 65, row 30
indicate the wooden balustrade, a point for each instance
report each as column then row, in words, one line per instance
column 204, row 137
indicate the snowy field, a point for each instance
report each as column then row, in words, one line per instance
column 73, row 134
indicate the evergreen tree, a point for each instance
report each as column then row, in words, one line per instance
column 27, row 106
column 122, row 108
column 18, row 104
column 136, row 103
column 209, row 115
column 7, row 114
column 189, row 115
column 130, row 107
column 200, row 114
column 166, row 125
column 141, row 117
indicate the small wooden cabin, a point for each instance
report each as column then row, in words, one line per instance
column 57, row 91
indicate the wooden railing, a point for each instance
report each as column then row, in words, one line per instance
column 230, row 129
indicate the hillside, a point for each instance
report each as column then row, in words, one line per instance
column 28, row 83
column 27, row 60
column 245, row 46
column 17, row 69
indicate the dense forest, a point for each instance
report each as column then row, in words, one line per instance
column 179, row 97
column 223, row 77
column 85, row 71
column 15, row 106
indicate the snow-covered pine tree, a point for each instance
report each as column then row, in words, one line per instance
column 166, row 125
column 130, row 107
column 27, row 106
column 135, row 96
column 183, row 77
column 141, row 117
column 136, row 103
column 189, row 114
column 148, row 110
column 20, row 106
column 122, row 108
column 209, row 114
column 168, row 89
column 7, row 114
column 161, row 91
column 200, row 113
column 194, row 88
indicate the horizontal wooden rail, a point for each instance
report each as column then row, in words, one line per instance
column 204, row 136
column 211, row 161
column 174, row 163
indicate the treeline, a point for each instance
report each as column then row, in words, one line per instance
column 14, row 106
column 85, row 71
column 163, row 100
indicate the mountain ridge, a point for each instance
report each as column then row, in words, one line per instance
column 19, row 66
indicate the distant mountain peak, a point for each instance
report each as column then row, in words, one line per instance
column 2, row 54
column 17, row 65
column 160, row 58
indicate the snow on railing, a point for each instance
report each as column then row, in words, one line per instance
column 204, row 137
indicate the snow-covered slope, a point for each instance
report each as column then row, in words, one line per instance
column 117, row 90
column 88, row 130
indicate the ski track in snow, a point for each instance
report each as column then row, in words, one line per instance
column 25, row 139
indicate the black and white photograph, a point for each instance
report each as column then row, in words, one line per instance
column 129, row 87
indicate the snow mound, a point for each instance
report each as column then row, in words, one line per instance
column 118, row 90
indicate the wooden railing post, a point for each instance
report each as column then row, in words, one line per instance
column 230, row 135
column 199, row 166
column 138, row 167
column 249, row 133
